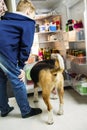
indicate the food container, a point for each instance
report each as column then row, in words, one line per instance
column 52, row 28
column 42, row 28
column 82, row 87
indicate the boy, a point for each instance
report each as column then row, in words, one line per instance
column 16, row 38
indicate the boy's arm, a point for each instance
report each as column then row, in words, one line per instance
column 22, row 75
column 26, row 43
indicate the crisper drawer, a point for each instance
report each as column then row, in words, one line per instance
column 80, row 84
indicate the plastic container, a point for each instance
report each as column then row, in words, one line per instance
column 42, row 28
column 82, row 88
column 80, row 84
column 52, row 28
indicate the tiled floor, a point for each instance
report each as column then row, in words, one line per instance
column 74, row 118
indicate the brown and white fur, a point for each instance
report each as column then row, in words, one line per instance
column 48, row 78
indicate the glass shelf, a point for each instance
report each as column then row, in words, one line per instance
column 77, row 60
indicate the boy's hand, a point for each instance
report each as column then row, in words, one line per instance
column 22, row 75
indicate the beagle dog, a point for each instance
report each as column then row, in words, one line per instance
column 47, row 74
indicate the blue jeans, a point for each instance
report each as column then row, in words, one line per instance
column 10, row 71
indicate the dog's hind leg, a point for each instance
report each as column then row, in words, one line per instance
column 35, row 93
column 46, row 98
column 60, row 93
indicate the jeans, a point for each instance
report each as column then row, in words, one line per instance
column 10, row 71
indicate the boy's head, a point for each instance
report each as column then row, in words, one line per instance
column 26, row 7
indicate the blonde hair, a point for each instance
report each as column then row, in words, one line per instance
column 25, row 4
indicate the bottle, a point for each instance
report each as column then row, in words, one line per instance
column 40, row 54
column 47, row 54
column 67, row 28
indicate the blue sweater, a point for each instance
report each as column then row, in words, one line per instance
column 16, row 37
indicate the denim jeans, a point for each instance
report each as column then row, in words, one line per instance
column 10, row 71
